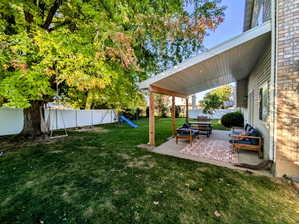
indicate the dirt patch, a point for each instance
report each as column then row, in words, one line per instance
column 203, row 169
column 124, row 155
column 15, row 144
column 91, row 129
column 89, row 212
column 146, row 156
column 146, row 146
column 138, row 163
column 56, row 151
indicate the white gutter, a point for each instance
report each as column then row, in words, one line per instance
column 273, row 102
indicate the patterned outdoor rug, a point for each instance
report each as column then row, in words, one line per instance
column 213, row 149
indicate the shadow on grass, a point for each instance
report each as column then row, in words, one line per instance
column 102, row 177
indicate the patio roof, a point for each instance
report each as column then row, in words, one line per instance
column 228, row 62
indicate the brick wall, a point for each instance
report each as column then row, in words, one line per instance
column 287, row 87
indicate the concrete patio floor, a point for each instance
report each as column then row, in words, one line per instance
column 171, row 148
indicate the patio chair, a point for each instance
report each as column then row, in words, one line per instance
column 186, row 132
column 251, row 141
column 240, row 130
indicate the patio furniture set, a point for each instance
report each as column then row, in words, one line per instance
column 246, row 139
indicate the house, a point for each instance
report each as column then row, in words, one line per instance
column 264, row 63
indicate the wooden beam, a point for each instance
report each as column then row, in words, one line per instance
column 187, row 109
column 159, row 90
column 173, row 116
column 152, row 119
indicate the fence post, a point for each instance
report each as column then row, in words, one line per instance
column 76, row 119
column 92, row 118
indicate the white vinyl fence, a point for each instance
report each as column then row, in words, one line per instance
column 12, row 120
column 217, row 114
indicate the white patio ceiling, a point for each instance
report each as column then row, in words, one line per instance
column 228, row 62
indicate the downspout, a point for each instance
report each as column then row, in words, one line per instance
column 273, row 107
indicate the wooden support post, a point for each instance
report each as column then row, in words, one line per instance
column 152, row 119
column 173, row 117
column 187, row 109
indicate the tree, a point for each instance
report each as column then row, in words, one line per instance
column 162, row 103
column 211, row 102
column 223, row 92
column 92, row 52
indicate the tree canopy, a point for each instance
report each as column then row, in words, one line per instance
column 223, row 92
column 210, row 102
column 92, row 52
column 216, row 98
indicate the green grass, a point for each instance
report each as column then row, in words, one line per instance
column 216, row 123
column 102, row 177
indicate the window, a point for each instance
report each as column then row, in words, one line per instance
column 260, row 18
column 251, row 107
column 264, row 102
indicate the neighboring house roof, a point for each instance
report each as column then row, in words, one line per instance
column 230, row 61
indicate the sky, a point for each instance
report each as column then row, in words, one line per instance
column 231, row 27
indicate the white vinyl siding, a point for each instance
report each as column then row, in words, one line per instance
column 259, row 78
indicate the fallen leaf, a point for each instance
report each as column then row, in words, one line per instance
column 200, row 189
column 156, row 202
column 217, row 214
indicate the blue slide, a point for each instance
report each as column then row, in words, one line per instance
column 123, row 118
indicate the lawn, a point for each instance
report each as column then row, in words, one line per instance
column 102, row 177
column 216, row 123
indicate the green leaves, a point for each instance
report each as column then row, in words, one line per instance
column 97, row 49
column 216, row 98
column 210, row 103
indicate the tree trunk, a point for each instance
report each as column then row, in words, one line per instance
column 32, row 120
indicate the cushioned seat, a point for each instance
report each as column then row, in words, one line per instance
column 186, row 131
column 243, row 141
column 250, row 140
column 253, row 132
column 237, row 131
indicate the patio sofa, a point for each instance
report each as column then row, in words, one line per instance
column 249, row 139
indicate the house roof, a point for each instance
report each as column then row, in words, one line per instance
column 228, row 62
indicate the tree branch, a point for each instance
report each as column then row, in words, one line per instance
column 29, row 19
column 51, row 14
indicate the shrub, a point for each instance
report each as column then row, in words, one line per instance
column 164, row 111
column 232, row 119
column 177, row 111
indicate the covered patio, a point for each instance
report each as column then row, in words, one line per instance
column 228, row 62
column 212, row 150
